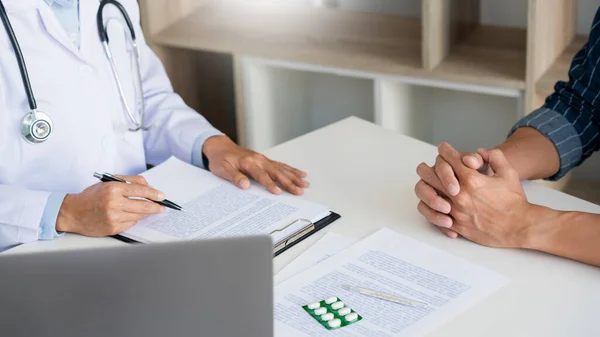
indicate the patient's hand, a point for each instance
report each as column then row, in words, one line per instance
column 490, row 210
column 438, row 183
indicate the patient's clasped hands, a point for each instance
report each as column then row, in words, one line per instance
column 478, row 196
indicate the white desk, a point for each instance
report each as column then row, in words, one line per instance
column 367, row 174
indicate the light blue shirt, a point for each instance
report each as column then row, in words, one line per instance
column 67, row 13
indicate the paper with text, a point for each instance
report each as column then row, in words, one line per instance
column 394, row 264
column 216, row 208
column 329, row 245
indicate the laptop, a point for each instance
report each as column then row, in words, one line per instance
column 214, row 288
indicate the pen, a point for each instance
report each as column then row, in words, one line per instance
column 385, row 297
column 107, row 177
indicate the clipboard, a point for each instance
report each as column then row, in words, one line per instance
column 306, row 231
column 286, row 243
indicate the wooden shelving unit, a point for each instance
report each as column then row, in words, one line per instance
column 551, row 26
column 559, row 71
column 361, row 41
column 447, row 43
column 330, row 63
column 492, row 56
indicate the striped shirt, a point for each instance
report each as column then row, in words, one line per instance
column 570, row 117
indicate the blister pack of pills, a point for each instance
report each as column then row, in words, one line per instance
column 332, row 313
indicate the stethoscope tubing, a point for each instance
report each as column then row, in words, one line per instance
column 104, row 38
column 20, row 59
column 100, row 20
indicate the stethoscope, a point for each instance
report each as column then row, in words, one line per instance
column 37, row 126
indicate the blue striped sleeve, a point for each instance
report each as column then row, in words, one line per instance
column 561, row 132
column 570, row 117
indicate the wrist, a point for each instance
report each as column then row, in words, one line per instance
column 539, row 226
column 531, row 154
column 511, row 150
column 64, row 221
column 216, row 144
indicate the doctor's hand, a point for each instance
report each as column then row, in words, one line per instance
column 440, row 182
column 237, row 164
column 106, row 208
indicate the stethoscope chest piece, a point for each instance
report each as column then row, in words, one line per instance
column 36, row 127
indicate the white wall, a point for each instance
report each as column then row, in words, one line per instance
column 288, row 103
column 587, row 11
column 468, row 120
column 464, row 119
column 512, row 13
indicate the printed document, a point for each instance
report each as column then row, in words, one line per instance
column 329, row 245
column 216, row 208
column 393, row 264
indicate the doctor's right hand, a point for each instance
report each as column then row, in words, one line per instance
column 106, row 209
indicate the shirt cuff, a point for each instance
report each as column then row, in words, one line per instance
column 561, row 132
column 49, row 216
column 199, row 144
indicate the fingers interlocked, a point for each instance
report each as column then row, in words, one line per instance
column 441, row 184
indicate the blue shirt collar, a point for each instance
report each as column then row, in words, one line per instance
column 62, row 3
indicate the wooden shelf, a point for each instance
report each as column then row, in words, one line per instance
column 559, row 71
column 358, row 41
column 488, row 56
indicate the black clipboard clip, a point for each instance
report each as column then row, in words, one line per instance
column 309, row 229
column 289, row 240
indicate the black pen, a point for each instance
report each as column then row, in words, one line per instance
column 107, row 177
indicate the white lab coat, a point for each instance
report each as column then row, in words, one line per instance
column 76, row 88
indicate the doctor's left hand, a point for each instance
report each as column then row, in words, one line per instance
column 229, row 161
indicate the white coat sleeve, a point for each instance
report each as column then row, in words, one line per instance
column 181, row 129
column 21, row 214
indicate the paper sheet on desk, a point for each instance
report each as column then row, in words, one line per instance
column 329, row 245
column 216, row 208
column 390, row 263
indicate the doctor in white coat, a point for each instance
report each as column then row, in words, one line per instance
column 47, row 188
